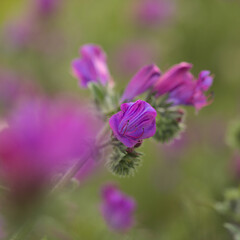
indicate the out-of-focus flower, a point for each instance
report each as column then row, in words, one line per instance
column 136, row 121
column 14, row 88
column 182, row 88
column 141, row 82
column 117, row 208
column 132, row 56
column 154, row 12
column 42, row 139
column 92, row 67
column 47, row 7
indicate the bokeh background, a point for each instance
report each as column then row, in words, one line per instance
column 178, row 183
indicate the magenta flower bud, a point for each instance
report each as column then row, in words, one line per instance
column 141, row 82
column 117, row 208
column 175, row 76
column 92, row 67
column 135, row 121
column 191, row 92
column 181, row 87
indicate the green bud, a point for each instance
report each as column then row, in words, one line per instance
column 169, row 124
column 124, row 163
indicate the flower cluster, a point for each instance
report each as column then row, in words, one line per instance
column 159, row 116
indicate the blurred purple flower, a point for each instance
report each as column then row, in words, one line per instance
column 182, row 88
column 92, row 67
column 141, row 82
column 47, row 7
column 117, row 208
column 43, row 139
column 135, row 121
column 154, row 12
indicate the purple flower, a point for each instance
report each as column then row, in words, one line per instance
column 117, row 208
column 191, row 93
column 182, row 88
column 154, row 12
column 43, row 139
column 174, row 76
column 135, row 121
column 92, row 67
column 204, row 80
column 141, row 82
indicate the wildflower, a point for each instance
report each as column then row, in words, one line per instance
column 43, row 139
column 141, row 82
column 182, row 88
column 117, row 208
column 135, row 121
column 92, row 67
column 174, row 77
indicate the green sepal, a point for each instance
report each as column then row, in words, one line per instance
column 123, row 161
column 168, row 125
column 98, row 91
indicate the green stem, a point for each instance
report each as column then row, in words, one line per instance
column 81, row 162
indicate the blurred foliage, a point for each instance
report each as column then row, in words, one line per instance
column 175, row 192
